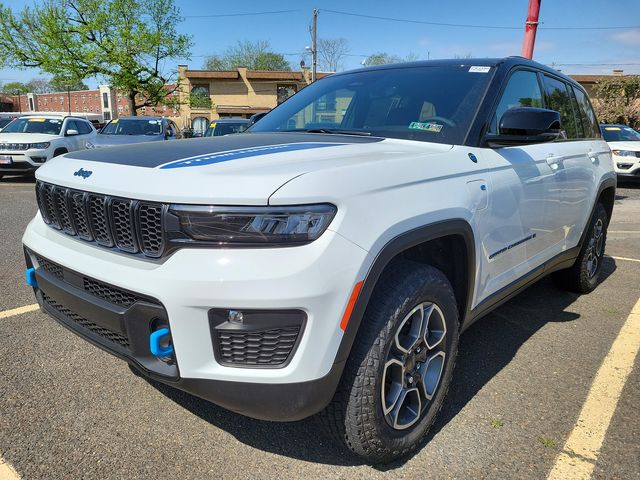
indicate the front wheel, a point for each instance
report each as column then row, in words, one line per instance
column 400, row 366
column 583, row 276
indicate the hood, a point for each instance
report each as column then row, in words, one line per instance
column 240, row 169
column 103, row 140
column 633, row 146
column 26, row 137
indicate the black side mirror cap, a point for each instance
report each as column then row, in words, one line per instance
column 526, row 126
column 255, row 117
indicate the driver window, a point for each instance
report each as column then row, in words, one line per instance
column 523, row 90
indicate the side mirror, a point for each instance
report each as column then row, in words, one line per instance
column 71, row 132
column 525, row 126
column 255, row 117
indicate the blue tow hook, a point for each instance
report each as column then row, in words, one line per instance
column 160, row 343
column 30, row 275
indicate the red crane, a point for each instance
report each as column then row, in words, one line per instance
column 530, row 28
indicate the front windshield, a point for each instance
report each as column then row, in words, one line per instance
column 48, row 126
column 620, row 134
column 219, row 129
column 121, row 126
column 425, row 103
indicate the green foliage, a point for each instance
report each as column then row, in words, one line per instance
column 381, row 58
column 618, row 100
column 125, row 42
column 253, row 55
column 14, row 88
column 199, row 100
column 60, row 83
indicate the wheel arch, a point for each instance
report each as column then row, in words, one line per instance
column 421, row 244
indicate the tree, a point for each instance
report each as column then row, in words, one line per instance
column 618, row 100
column 39, row 85
column 128, row 43
column 61, row 83
column 381, row 58
column 253, row 55
column 14, row 88
column 331, row 52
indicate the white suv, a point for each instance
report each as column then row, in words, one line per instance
column 328, row 259
column 27, row 142
column 625, row 148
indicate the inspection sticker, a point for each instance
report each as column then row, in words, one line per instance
column 478, row 69
column 426, row 126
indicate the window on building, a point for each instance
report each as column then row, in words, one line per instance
column 120, row 108
column 31, row 104
column 107, row 116
column 105, row 100
column 285, row 91
column 200, row 89
column 199, row 125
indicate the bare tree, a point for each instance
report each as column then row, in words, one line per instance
column 331, row 52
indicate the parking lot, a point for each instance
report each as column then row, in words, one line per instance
column 523, row 377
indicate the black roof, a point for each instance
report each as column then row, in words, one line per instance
column 506, row 62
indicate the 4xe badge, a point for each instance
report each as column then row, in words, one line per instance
column 83, row 173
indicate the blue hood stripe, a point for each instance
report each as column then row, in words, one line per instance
column 210, row 159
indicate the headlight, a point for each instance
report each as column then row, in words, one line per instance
column 40, row 146
column 624, row 153
column 291, row 225
column 89, row 145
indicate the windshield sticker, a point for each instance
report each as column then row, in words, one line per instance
column 54, row 121
column 213, row 125
column 115, row 121
column 612, row 129
column 212, row 158
column 36, row 119
column 426, row 126
column 154, row 122
column 477, row 69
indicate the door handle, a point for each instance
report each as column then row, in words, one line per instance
column 593, row 156
column 554, row 161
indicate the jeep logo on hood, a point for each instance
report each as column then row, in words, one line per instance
column 82, row 173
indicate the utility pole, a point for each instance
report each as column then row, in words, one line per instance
column 530, row 28
column 69, row 98
column 314, row 51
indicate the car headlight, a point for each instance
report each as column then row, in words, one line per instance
column 624, row 153
column 89, row 145
column 40, row 146
column 244, row 226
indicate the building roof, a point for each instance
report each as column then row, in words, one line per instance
column 251, row 74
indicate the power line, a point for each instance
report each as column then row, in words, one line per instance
column 461, row 25
column 247, row 14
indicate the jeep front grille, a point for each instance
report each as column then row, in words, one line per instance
column 131, row 226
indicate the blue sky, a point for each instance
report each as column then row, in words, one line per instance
column 288, row 32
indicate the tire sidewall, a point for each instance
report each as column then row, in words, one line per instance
column 399, row 440
column 589, row 283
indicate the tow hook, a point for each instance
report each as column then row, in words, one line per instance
column 160, row 343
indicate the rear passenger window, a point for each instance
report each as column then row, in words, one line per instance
column 586, row 115
column 83, row 127
column 558, row 99
column 523, row 90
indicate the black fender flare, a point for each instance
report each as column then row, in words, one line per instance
column 390, row 250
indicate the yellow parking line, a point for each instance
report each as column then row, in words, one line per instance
column 627, row 259
column 7, row 472
column 578, row 457
column 19, row 310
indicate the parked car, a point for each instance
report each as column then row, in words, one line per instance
column 28, row 142
column 226, row 126
column 328, row 259
column 625, row 147
column 129, row 130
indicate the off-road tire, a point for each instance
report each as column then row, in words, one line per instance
column 578, row 278
column 355, row 416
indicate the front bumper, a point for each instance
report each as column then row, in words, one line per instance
column 24, row 161
column 627, row 168
column 184, row 288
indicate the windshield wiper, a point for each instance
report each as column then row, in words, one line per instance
column 332, row 130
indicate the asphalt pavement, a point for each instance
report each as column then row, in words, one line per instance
column 69, row 410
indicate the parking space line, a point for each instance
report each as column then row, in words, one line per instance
column 578, row 457
column 7, row 472
column 20, row 310
column 626, row 259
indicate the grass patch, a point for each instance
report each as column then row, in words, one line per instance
column 497, row 423
column 547, row 442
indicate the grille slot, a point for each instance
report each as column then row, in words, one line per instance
column 60, row 200
column 78, row 205
column 111, row 294
column 122, row 214
column 266, row 347
column 50, row 267
column 129, row 225
column 105, row 333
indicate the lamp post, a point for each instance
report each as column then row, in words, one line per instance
column 69, row 97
